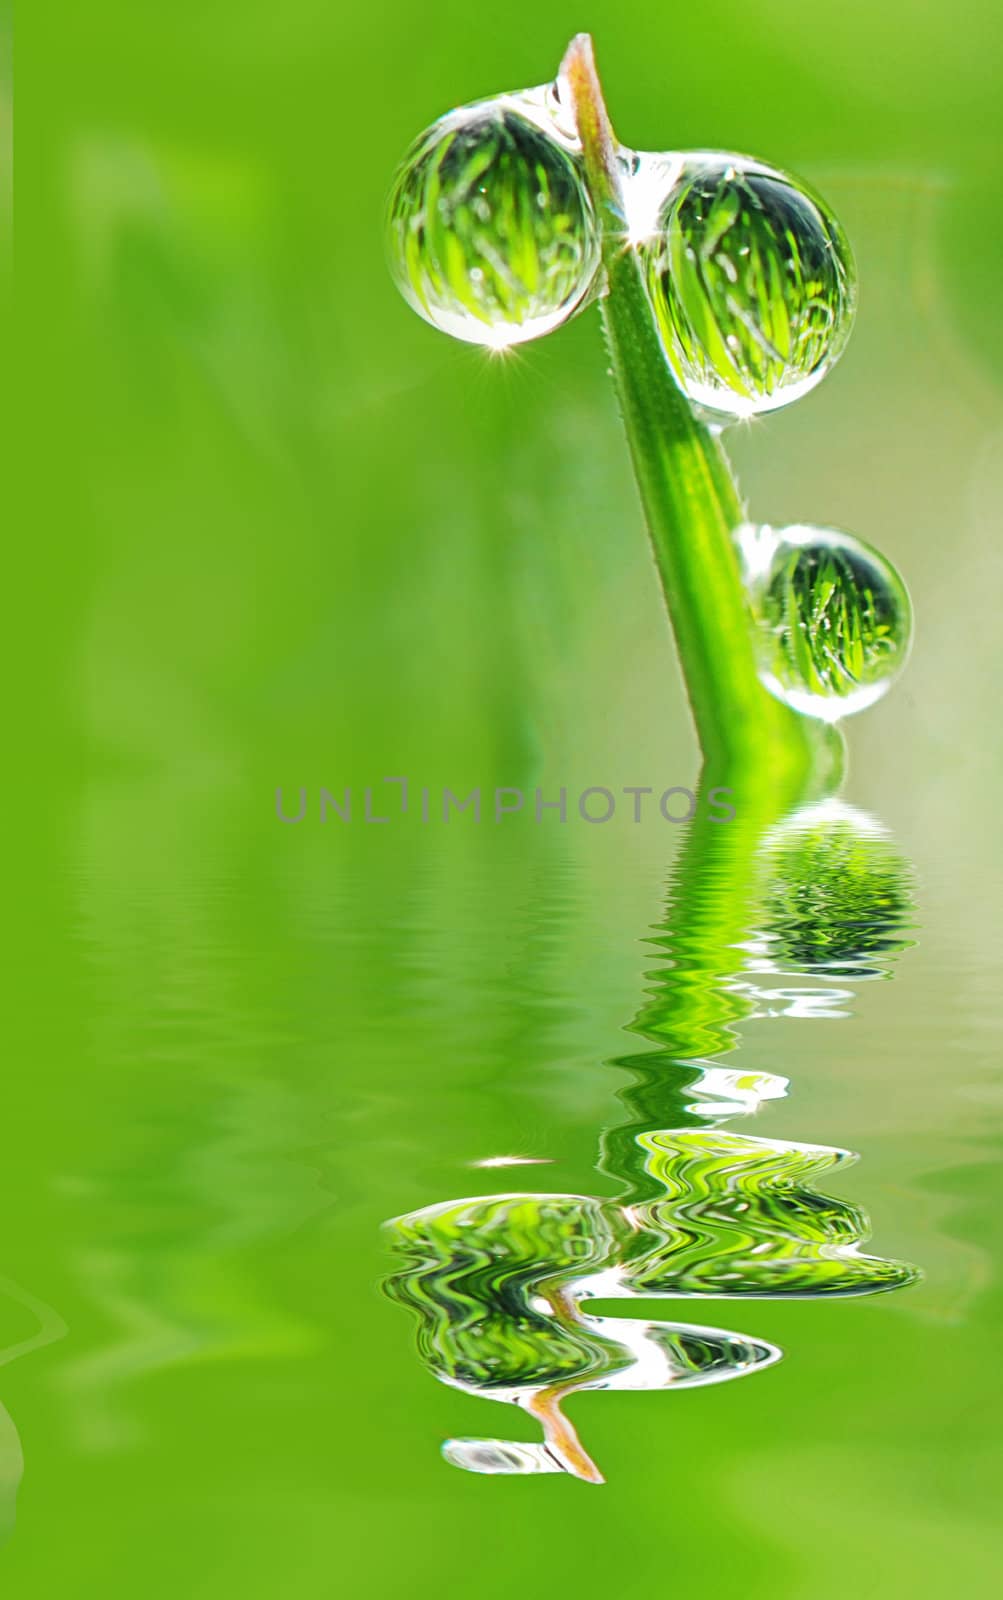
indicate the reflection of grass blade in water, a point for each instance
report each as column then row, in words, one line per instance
column 819, row 893
column 496, row 1283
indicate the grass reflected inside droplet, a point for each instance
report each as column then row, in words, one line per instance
column 491, row 231
column 752, row 282
column 832, row 618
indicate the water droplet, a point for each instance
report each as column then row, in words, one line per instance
column 752, row 283
column 832, row 618
column 491, row 231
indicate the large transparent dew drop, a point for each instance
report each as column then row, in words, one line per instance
column 832, row 618
column 751, row 279
column 491, row 231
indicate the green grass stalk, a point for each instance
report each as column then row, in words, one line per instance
column 689, row 495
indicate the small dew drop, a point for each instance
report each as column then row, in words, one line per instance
column 832, row 618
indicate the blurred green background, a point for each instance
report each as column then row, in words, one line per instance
column 288, row 535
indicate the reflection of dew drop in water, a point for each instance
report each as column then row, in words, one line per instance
column 750, row 276
column 832, row 618
column 741, row 1217
column 500, row 1455
column 836, row 895
column 491, row 231
column 486, row 1277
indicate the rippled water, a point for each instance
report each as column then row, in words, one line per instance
column 200, row 1308
column 498, row 1283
